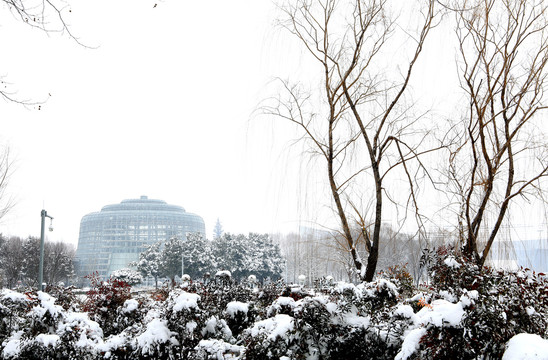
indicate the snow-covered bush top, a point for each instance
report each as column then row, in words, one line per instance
column 184, row 300
column 7, row 294
column 234, row 307
column 223, row 273
column 278, row 326
column 156, row 333
column 130, row 305
column 451, row 262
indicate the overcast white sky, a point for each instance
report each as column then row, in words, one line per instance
column 161, row 107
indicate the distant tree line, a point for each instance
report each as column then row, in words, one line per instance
column 19, row 261
column 242, row 255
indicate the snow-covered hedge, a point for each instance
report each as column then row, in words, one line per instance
column 463, row 313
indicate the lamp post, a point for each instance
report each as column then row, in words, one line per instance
column 44, row 215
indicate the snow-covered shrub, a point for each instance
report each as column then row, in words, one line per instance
column 64, row 296
column 215, row 350
column 216, row 328
column 282, row 305
column 29, row 336
column 78, row 336
column 13, row 309
column 238, row 316
column 272, row 338
column 378, row 295
column 184, row 318
column 45, row 315
column 475, row 311
column 526, row 346
column 157, row 341
column 42, row 347
column 103, row 300
column 223, row 277
column 400, row 276
column 129, row 276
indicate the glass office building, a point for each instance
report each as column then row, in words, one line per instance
column 110, row 239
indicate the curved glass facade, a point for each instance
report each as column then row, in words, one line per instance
column 110, row 239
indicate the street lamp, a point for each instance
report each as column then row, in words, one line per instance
column 44, row 215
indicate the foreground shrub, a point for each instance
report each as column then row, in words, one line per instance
column 488, row 308
column 463, row 313
column 103, row 301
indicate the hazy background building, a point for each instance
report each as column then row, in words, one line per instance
column 115, row 236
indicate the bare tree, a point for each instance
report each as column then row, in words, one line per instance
column 502, row 153
column 46, row 15
column 10, row 260
column 6, row 201
column 58, row 262
column 360, row 128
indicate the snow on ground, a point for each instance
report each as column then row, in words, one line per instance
column 526, row 347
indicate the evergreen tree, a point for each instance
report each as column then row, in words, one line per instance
column 217, row 230
column 231, row 253
column 265, row 258
column 171, row 259
column 31, row 261
column 197, row 255
column 129, row 276
column 149, row 263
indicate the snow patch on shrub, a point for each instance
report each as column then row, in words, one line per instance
column 156, row 333
column 186, row 301
column 275, row 327
column 12, row 345
column 442, row 313
column 234, row 307
column 14, row 296
column 217, row 349
column 410, row 343
column 451, row 262
column 130, row 305
column 47, row 339
column 526, row 347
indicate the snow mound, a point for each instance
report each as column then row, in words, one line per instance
column 48, row 339
column 12, row 346
column 186, row 301
column 12, row 295
column 526, row 347
column 442, row 313
column 156, row 333
column 451, row 262
column 218, row 349
column 410, row 343
column 130, row 305
column 234, row 307
column 278, row 326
